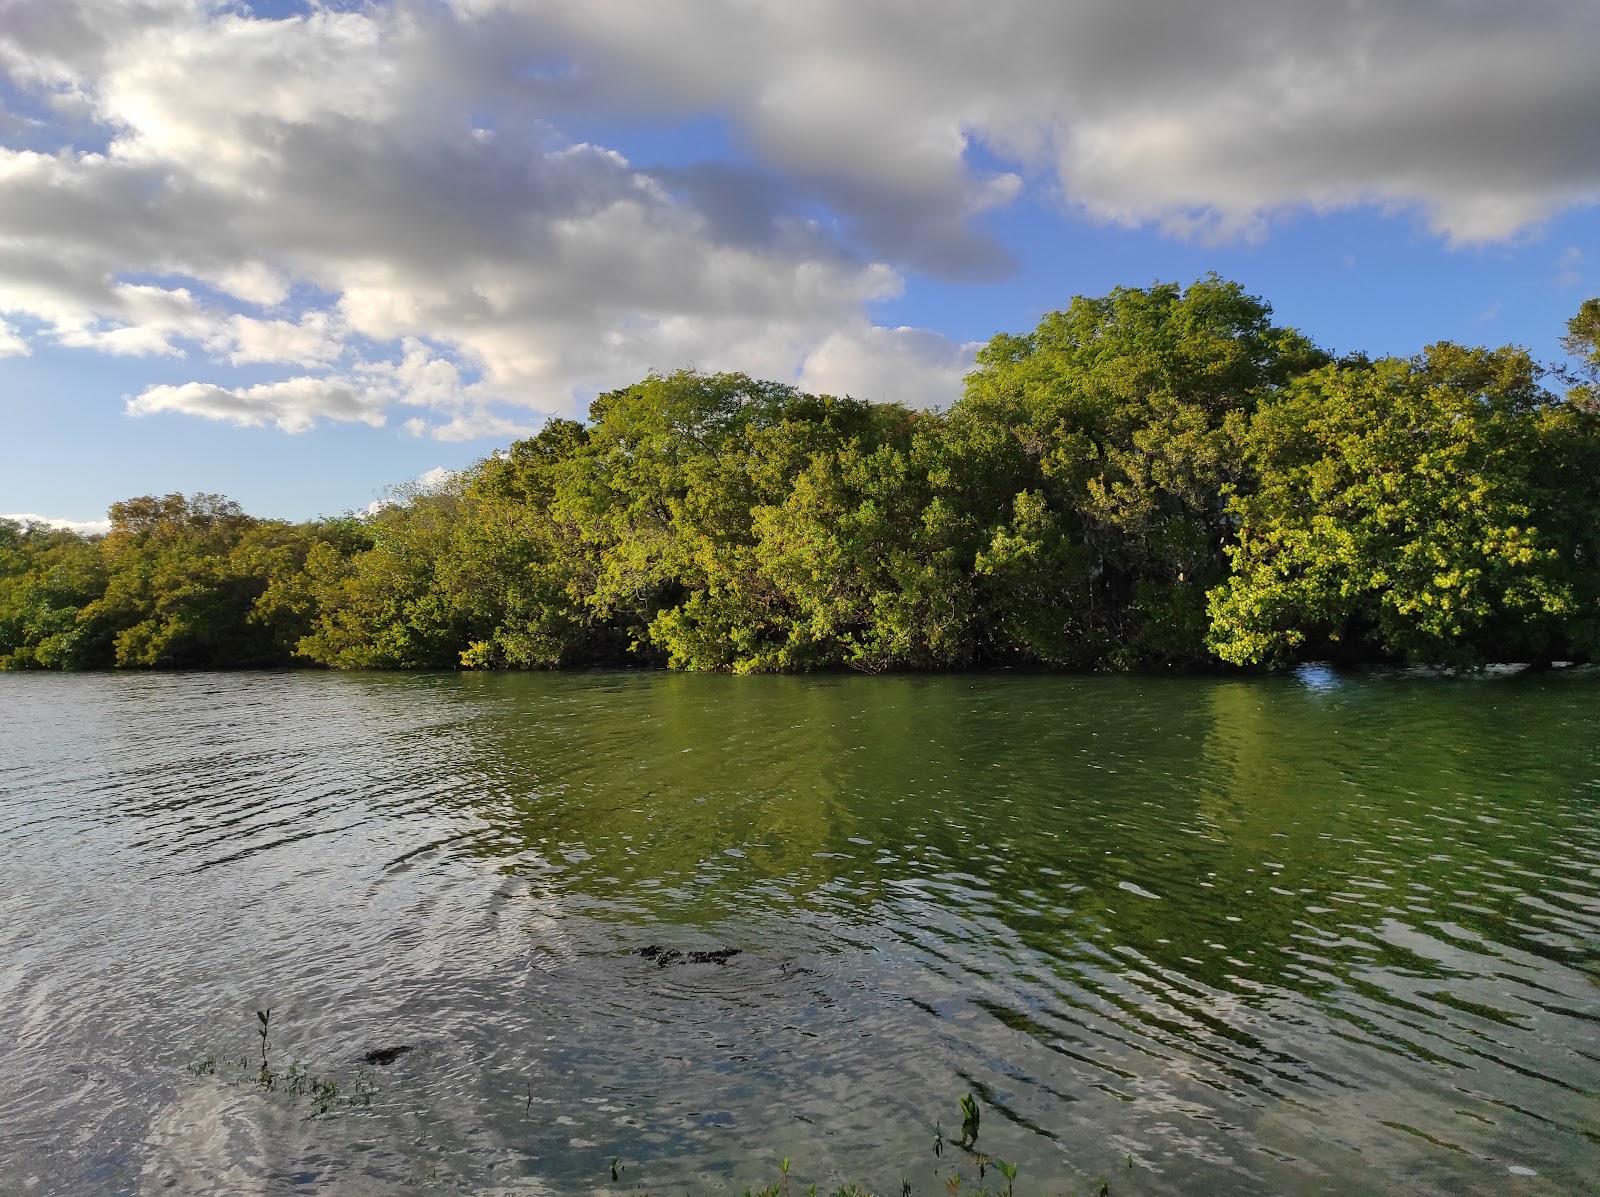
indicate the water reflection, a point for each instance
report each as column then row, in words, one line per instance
column 1244, row 935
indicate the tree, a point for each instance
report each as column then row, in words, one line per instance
column 176, row 596
column 1158, row 477
column 47, row 579
column 1105, row 443
column 1583, row 343
column 1402, row 510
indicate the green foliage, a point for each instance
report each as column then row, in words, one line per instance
column 1428, row 510
column 1161, row 477
column 1102, row 447
column 970, row 1114
column 177, row 583
column 47, row 578
column 1583, row 343
column 324, row 1094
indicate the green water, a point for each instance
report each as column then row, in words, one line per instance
column 1319, row 934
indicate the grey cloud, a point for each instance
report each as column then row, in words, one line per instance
column 550, row 270
column 336, row 155
column 1204, row 118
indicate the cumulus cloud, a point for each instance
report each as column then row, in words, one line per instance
column 419, row 378
column 338, row 156
column 434, row 479
column 899, row 365
column 84, row 527
column 426, row 483
column 314, row 340
column 11, row 345
column 1568, row 273
column 294, row 404
column 1203, row 118
column 379, row 197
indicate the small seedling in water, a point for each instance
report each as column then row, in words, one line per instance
column 297, row 1080
column 938, row 1139
column 264, row 1017
column 1009, row 1171
column 616, row 1168
column 953, row 1185
column 206, row 1067
column 969, row 1120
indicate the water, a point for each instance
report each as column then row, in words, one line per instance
column 1318, row 934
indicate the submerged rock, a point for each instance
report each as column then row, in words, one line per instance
column 715, row 956
column 384, row 1056
column 665, row 956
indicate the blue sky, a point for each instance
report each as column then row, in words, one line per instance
column 295, row 253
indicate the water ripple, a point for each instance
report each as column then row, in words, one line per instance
column 1326, row 935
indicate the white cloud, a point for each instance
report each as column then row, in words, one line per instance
column 900, row 365
column 84, row 527
column 1568, row 273
column 368, row 181
column 419, row 379
column 11, row 343
column 428, row 482
column 477, row 424
column 293, row 405
column 338, row 156
column 314, row 340
column 435, row 478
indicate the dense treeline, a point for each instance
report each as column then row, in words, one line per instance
column 1156, row 478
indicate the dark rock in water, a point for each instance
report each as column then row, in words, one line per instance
column 384, row 1056
column 665, row 956
column 717, row 956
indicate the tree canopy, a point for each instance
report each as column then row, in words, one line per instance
column 1161, row 477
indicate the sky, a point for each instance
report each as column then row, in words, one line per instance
column 296, row 252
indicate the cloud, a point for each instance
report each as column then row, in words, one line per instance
column 419, row 378
column 1568, row 273
column 314, row 340
column 337, row 176
column 435, row 478
column 1203, row 118
column 11, row 345
column 325, row 191
column 474, row 425
column 900, row 365
column 293, row 405
column 83, row 527
column 428, row 482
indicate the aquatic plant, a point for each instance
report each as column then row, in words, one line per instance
column 265, row 1019
column 969, row 1120
column 324, row 1092
column 1009, row 1171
